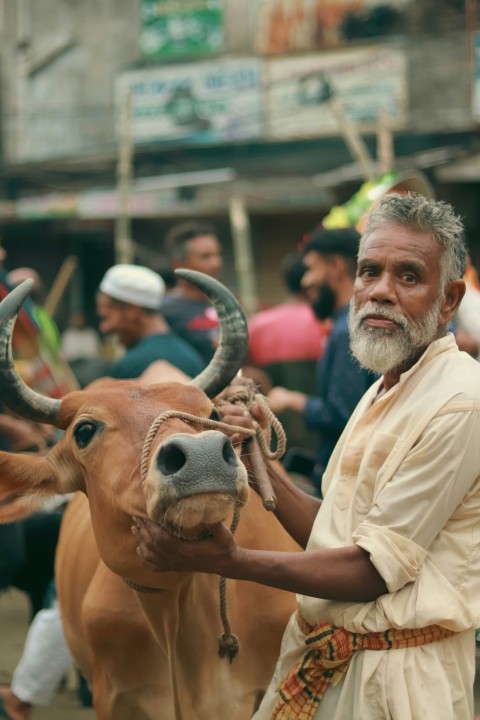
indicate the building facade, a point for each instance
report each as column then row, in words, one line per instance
column 242, row 111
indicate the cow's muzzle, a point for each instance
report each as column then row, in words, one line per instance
column 186, row 466
column 212, row 453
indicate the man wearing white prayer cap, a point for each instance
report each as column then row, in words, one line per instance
column 128, row 303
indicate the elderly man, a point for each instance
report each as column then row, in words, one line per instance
column 389, row 583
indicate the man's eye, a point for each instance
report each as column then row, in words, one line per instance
column 83, row 433
column 367, row 272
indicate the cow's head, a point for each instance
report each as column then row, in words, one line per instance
column 191, row 474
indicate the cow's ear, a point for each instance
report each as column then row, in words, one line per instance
column 26, row 482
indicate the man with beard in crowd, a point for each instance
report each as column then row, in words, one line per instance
column 389, row 583
column 330, row 259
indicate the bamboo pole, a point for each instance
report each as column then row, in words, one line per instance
column 470, row 30
column 123, row 246
column 353, row 139
column 60, row 283
column 242, row 245
column 385, row 149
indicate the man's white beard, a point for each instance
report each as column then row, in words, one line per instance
column 382, row 350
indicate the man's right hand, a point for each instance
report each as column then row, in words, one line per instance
column 281, row 399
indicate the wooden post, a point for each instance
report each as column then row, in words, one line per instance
column 385, row 151
column 470, row 28
column 123, row 246
column 59, row 284
column 242, row 246
column 22, row 90
column 353, row 140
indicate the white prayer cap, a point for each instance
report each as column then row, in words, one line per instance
column 133, row 284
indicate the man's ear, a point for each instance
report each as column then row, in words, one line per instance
column 133, row 313
column 337, row 267
column 454, row 292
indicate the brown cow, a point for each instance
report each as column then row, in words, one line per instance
column 148, row 641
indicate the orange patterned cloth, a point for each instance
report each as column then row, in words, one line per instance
column 326, row 660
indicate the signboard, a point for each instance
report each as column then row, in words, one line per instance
column 105, row 203
column 364, row 81
column 51, row 205
column 88, row 204
column 178, row 28
column 282, row 26
column 205, row 102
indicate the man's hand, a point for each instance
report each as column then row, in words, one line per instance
column 237, row 415
column 281, row 399
column 161, row 552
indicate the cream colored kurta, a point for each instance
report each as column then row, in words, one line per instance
column 404, row 484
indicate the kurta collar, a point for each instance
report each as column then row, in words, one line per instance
column 437, row 347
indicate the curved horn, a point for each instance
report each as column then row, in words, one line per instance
column 233, row 344
column 13, row 391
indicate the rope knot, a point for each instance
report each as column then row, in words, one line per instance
column 243, row 392
column 228, row 646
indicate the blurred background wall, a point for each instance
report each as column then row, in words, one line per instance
column 120, row 117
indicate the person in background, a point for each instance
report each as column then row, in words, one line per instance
column 27, row 547
column 195, row 246
column 44, row 362
column 50, row 331
column 330, row 259
column 45, row 660
column 83, row 350
column 467, row 318
column 389, row 583
column 128, row 304
column 80, row 342
column 286, row 341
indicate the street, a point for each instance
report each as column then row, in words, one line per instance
column 13, row 628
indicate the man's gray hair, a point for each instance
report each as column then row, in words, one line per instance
column 420, row 213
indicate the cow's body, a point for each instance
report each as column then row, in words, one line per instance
column 150, row 655
column 156, row 655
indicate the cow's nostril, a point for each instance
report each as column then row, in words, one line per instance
column 170, row 459
column 228, row 453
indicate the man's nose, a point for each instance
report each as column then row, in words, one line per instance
column 383, row 289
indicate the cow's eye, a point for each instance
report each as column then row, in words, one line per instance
column 215, row 415
column 83, row 433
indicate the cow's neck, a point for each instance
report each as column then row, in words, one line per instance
column 228, row 644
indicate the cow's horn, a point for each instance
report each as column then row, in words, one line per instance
column 13, row 391
column 233, row 344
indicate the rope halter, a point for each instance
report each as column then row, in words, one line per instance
column 240, row 393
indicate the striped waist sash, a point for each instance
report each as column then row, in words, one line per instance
column 329, row 650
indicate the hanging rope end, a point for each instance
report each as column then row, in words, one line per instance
column 228, row 646
column 270, row 503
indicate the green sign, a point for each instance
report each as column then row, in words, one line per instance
column 176, row 28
